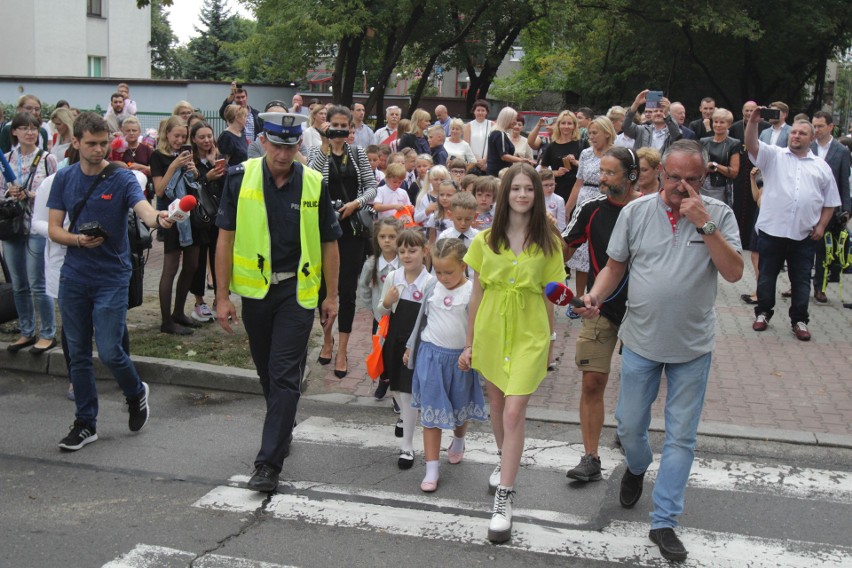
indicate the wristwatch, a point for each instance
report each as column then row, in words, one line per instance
column 708, row 229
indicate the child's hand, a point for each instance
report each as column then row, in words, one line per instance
column 464, row 359
column 400, row 206
column 431, row 208
column 405, row 356
column 391, row 297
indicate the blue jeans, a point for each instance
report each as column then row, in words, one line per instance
column 25, row 257
column 686, row 384
column 800, row 258
column 84, row 306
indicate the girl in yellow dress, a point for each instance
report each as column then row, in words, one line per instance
column 508, row 334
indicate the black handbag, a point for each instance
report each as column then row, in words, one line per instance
column 362, row 222
column 14, row 219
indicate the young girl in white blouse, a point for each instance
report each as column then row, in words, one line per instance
column 447, row 397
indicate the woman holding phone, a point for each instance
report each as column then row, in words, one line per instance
column 211, row 168
column 173, row 157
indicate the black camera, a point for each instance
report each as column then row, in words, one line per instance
column 336, row 133
column 93, row 229
column 337, row 205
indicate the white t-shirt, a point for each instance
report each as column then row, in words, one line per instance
column 447, row 323
column 388, row 196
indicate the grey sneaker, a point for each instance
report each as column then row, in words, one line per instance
column 589, row 469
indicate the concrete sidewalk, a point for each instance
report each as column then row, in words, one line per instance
column 763, row 385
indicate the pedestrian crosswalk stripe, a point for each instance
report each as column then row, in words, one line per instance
column 619, row 542
column 721, row 475
column 535, row 515
column 147, row 556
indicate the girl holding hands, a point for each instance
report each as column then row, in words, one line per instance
column 511, row 264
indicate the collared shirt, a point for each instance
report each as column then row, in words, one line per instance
column 412, row 292
column 383, row 134
column 822, row 151
column 795, row 190
column 659, row 138
column 445, row 124
column 673, row 282
column 453, row 233
column 393, row 263
column 249, row 132
column 364, row 136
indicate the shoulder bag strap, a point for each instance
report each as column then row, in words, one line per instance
column 105, row 173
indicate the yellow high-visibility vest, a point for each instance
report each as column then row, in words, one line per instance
column 252, row 260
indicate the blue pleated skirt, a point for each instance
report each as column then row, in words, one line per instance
column 446, row 396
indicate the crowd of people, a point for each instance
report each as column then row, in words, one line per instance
column 449, row 232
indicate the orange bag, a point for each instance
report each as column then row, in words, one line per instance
column 375, row 364
column 406, row 215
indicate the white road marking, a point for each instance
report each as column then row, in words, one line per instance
column 621, row 542
column 784, row 481
column 147, row 556
column 403, row 499
column 479, row 448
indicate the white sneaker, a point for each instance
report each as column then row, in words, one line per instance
column 500, row 528
column 202, row 313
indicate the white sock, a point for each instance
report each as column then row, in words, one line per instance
column 457, row 445
column 432, row 468
column 409, row 419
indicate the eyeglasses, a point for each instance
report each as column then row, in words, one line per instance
column 28, row 129
column 457, row 172
column 693, row 181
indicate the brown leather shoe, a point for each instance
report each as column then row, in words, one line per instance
column 820, row 297
column 761, row 322
column 800, row 330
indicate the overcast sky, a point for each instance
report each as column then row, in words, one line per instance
column 183, row 15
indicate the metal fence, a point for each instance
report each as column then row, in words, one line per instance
column 153, row 119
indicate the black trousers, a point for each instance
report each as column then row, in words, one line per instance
column 278, row 330
column 351, row 261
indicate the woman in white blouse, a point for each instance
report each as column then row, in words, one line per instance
column 476, row 132
column 456, row 147
column 522, row 148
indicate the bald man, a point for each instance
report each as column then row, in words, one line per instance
column 443, row 119
column 678, row 112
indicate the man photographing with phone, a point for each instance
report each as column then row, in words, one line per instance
column 92, row 191
column 662, row 131
column 239, row 97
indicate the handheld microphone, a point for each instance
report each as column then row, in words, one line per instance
column 561, row 295
column 179, row 208
column 6, row 169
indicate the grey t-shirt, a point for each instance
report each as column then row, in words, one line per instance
column 671, row 316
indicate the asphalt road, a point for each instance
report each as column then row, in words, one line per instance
column 174, row 494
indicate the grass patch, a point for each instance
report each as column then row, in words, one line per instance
column 210, row 344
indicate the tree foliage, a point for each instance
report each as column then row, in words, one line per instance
column 164, row 63
column 212, row 54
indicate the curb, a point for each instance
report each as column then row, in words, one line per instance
column 232, row 379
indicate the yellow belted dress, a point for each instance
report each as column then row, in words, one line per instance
column 511, row 336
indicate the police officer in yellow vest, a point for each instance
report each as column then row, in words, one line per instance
column 277, row 238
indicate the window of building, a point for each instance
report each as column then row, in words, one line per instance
column 516, row 53
column 94, row 8
column 96, row 66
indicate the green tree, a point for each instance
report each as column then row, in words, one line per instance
column 164, row 64
column 213, row 54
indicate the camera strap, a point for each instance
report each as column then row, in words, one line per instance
column 105, row 173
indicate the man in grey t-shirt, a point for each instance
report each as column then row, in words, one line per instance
column 674, row 245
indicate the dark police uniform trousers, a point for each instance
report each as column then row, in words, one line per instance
column 278, row 327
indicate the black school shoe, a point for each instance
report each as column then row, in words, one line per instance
column 264, row 480
column 670, row 545
column 631, row 488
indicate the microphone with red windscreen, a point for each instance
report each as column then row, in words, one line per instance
column 561, row 295
column 179, row 208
